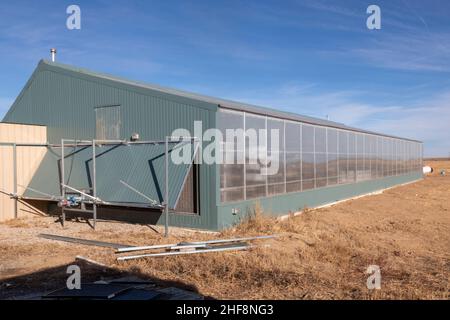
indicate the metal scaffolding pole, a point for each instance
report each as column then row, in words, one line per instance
column 15, row 180
column 166, row 197
column 63, row 182
column 94, row 183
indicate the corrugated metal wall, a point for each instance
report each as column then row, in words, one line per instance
column 27, row 159
column 65, row 102
column 141, row 165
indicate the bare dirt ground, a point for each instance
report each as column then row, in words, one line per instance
column 321, row 254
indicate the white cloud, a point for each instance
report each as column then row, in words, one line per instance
column 422, row 51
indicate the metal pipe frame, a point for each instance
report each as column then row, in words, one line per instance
column 166, row 190
column 63, row 181
column 93, row 144
column 16, row 212
column 94, row 183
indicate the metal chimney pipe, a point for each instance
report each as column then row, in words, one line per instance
column 53, row 52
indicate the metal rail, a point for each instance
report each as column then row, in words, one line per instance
column 162, row 254
column 162, row 246
column 153, row 202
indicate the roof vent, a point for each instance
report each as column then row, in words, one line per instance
column 134, row 137
column 53, row 52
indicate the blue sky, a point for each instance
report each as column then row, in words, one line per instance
column 312, row 57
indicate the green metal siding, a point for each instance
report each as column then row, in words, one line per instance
column 64, row 101
column 142, row 166
column 292, row 202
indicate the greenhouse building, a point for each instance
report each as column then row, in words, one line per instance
column 318, row 161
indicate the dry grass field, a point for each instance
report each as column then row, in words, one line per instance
column 320, row 254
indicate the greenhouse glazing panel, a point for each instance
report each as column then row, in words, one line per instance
column 231, row 172
column 308, row 157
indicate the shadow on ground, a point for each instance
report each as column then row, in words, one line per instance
column 37, row 284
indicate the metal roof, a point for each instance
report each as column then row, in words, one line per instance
column 221, row 103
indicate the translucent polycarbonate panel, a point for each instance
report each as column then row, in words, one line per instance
column 391, row 149
column 416, row 157
column 385, row 157
column 307, row 138
column 351, row 168
column 332, row 141
column 332, row 168
column 359, row 157
column 275, row 154
column 372, row 144
column 391, row 157
column 320, row 140
column 411, row 157
column 275, row 171
column 293, row 166
column 399, row 157
column 275, row 135
column 343, row 156
column 229, row 195
column 343, row 166
column 360, row 143
column 232, row 175
column 321, row 165
column 351, row 143
column 231, row 156
column 405, row 157
column 373, row 156
column 308, row 184
column 255, row 192
column 321, row 182
column 396, row 153
column 256, row 136
column 408, row 158
column 231, row 121
column 367, row 158
column 366, row 144
column 332, row 181
column 320, row 147
column 232, row 167
column 379, row 157
column 256, row 151
column 293, row 134
column 308, row 157
column 276, row 188
column 307, row 166
column 343, row 143
column 293, row 186
column 255, row 174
